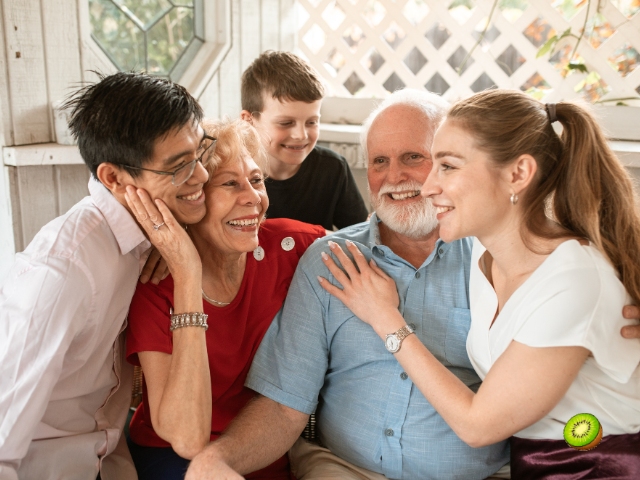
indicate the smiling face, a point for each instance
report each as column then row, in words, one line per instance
column 470, row 194
column 187, row 201
column 236, row 201
column 398, row 145
column 290, row 129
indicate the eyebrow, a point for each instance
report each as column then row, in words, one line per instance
column 172, row 159
column 449, row 154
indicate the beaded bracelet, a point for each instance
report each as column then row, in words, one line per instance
column 189, row 320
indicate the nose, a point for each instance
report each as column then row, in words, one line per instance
column 431, row 186
column 199, row 175
column 249, row 195
column 396, row 172
column 299, row 132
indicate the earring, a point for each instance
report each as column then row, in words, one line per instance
column 514, row 198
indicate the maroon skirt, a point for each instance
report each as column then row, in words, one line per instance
column 616, row 457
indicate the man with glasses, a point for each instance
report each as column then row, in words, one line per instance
column 64, row 385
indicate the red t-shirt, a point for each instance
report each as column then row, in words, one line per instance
column 234, row 333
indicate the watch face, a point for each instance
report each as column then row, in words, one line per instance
column 392, row 343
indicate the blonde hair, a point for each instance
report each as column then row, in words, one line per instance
column 589, row 192
column 235, row 139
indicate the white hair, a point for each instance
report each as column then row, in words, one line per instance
column 433, row 106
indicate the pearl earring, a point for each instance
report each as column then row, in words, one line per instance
column 514, row 198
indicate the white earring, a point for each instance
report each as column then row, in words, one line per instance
column 514, row 198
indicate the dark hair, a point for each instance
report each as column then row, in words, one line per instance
column 118, row 119
column 588, row 191
column 282, row 75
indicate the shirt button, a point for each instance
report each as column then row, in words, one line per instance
column 404, row 375
column 258, row 253
column 287, row 244
column 388, row 432
column 441, row 251
column 417, row 274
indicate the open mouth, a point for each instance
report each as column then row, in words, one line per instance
column 440, row 210
column 192, row 197
column 294, row 148
column 244, row 222
column 404, row 195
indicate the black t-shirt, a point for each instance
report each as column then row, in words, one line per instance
column 323, row 192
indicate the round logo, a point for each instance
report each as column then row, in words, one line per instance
column 583, row 432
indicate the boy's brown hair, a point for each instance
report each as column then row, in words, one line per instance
column 282, row 75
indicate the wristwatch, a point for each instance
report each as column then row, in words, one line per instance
column 393, row 341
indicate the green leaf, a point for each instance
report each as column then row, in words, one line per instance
column 566, row 33
column 622, row 104
column 547, row 46
column 577, row 66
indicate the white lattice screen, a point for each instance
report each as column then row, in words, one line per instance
column 367, row 48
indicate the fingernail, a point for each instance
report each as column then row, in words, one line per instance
column 373, row 262
column 332, row 245
column 626, row 332
column 349, row 243
column 144, row 278
column 324, row 256
column 155, row 280
column 320, row 279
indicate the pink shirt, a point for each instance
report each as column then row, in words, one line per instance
column 64, row 387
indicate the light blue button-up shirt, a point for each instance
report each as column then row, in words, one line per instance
column 318, row 356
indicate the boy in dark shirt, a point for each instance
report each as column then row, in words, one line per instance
column 281, row 97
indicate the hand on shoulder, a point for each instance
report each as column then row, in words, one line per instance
column 631, row 312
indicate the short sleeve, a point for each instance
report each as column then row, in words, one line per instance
column 350, row 208
column 582, row 306
column 149, row 322
column 290, row 365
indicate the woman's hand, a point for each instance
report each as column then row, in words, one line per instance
column 369, row 293
column 170, row 239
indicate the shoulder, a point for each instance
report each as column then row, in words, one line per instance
column 274, row 231
column 328, row 158
column 358, row 234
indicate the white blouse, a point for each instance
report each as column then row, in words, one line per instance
column 573, row 299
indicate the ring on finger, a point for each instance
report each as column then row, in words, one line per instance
column 157, row 227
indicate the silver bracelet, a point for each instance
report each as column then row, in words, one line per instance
column 189, row 320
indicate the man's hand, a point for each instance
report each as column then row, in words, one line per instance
column 631, row 312
column 155, row 269
column 208, row 465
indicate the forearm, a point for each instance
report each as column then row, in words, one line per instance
column 263, row 432
column 184, row 411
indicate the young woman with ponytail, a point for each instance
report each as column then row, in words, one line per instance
column 556, row 257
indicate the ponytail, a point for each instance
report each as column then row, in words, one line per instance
column 580, row 181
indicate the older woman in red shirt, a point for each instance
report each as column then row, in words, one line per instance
column 194, row 378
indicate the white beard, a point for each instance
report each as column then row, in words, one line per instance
column 414, row 220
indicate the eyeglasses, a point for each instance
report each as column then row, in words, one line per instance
column 184, row 173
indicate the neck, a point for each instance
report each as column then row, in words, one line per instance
column 414, row 251
column 222, row 273
column 279, row 170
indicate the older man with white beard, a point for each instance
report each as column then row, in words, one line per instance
column 317, row 356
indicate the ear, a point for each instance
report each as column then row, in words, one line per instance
column 522, row 172
column 246, row 116
column 114, row 178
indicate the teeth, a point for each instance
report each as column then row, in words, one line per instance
column 244, row 223
column 294, row 148
column 443, row 209
column 195, row 196
column 402, row 196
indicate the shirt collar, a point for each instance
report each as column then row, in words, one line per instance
column 124, row 227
